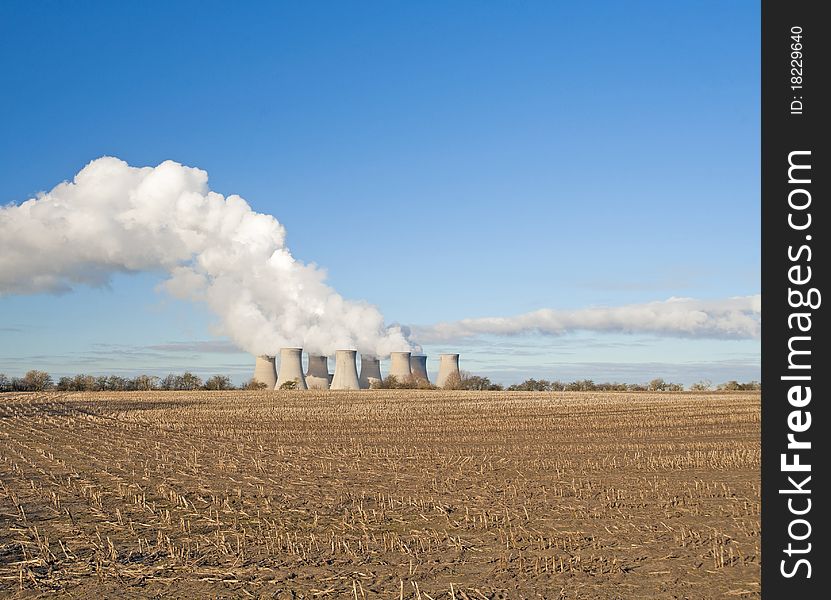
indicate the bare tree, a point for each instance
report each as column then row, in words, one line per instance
column 657, row 385
column 702, row 386
column 468, row 381
column 37, row 381
column 170, row 382
column 116, row 383
column 145, row 382
column 253, row 384
column 83, row 383
column 219, row 382
column 190, row 381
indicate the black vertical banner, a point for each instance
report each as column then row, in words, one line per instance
column 795, row 361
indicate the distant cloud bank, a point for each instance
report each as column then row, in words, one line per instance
column 730, row 318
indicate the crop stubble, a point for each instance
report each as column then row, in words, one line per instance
column 420, row 494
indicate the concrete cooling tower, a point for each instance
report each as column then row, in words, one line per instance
column 448, row 365
column 317, row 375
column 418, row 365
column 370, row 371
column 346, row 372
column 265, row 372
column 291, row 368
column 400, row 365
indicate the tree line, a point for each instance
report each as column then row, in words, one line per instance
column 655, row 385
column 38, row 381
column 469, row 381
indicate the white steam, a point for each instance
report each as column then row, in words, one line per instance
column 116, row 218
column 731, row 318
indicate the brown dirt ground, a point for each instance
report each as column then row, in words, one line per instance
column 382, row 494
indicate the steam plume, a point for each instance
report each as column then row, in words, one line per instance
column 116, row 218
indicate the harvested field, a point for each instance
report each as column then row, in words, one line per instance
column 383, row 494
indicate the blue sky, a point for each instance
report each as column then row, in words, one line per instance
column 441, row 160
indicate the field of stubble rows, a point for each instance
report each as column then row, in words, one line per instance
column 383, row 494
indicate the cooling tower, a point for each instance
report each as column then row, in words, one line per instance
column 291, row 368
column 448, row 365
column 317, row 375
column 400, row 365
column 370, row 371
column 264, row 371
column 346, row 372
column 418, row 365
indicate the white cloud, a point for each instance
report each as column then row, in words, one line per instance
column 731, row 318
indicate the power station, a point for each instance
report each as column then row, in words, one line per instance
column 400, row 365
column 370, row 371
column 346, row 371
column 265, row 372
column 317, row 374
column 291, row 369
column 404, row 366
column 448, row 369
column 418, row 366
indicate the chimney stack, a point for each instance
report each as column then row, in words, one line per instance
column 448, row 365
column 265, row 372
column 346, row 372
column 317, row 375
column 291, row 368
column 418, row 365
column 370, row 371
column 400, row 365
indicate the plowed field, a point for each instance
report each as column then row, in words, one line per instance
column 380, row 494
